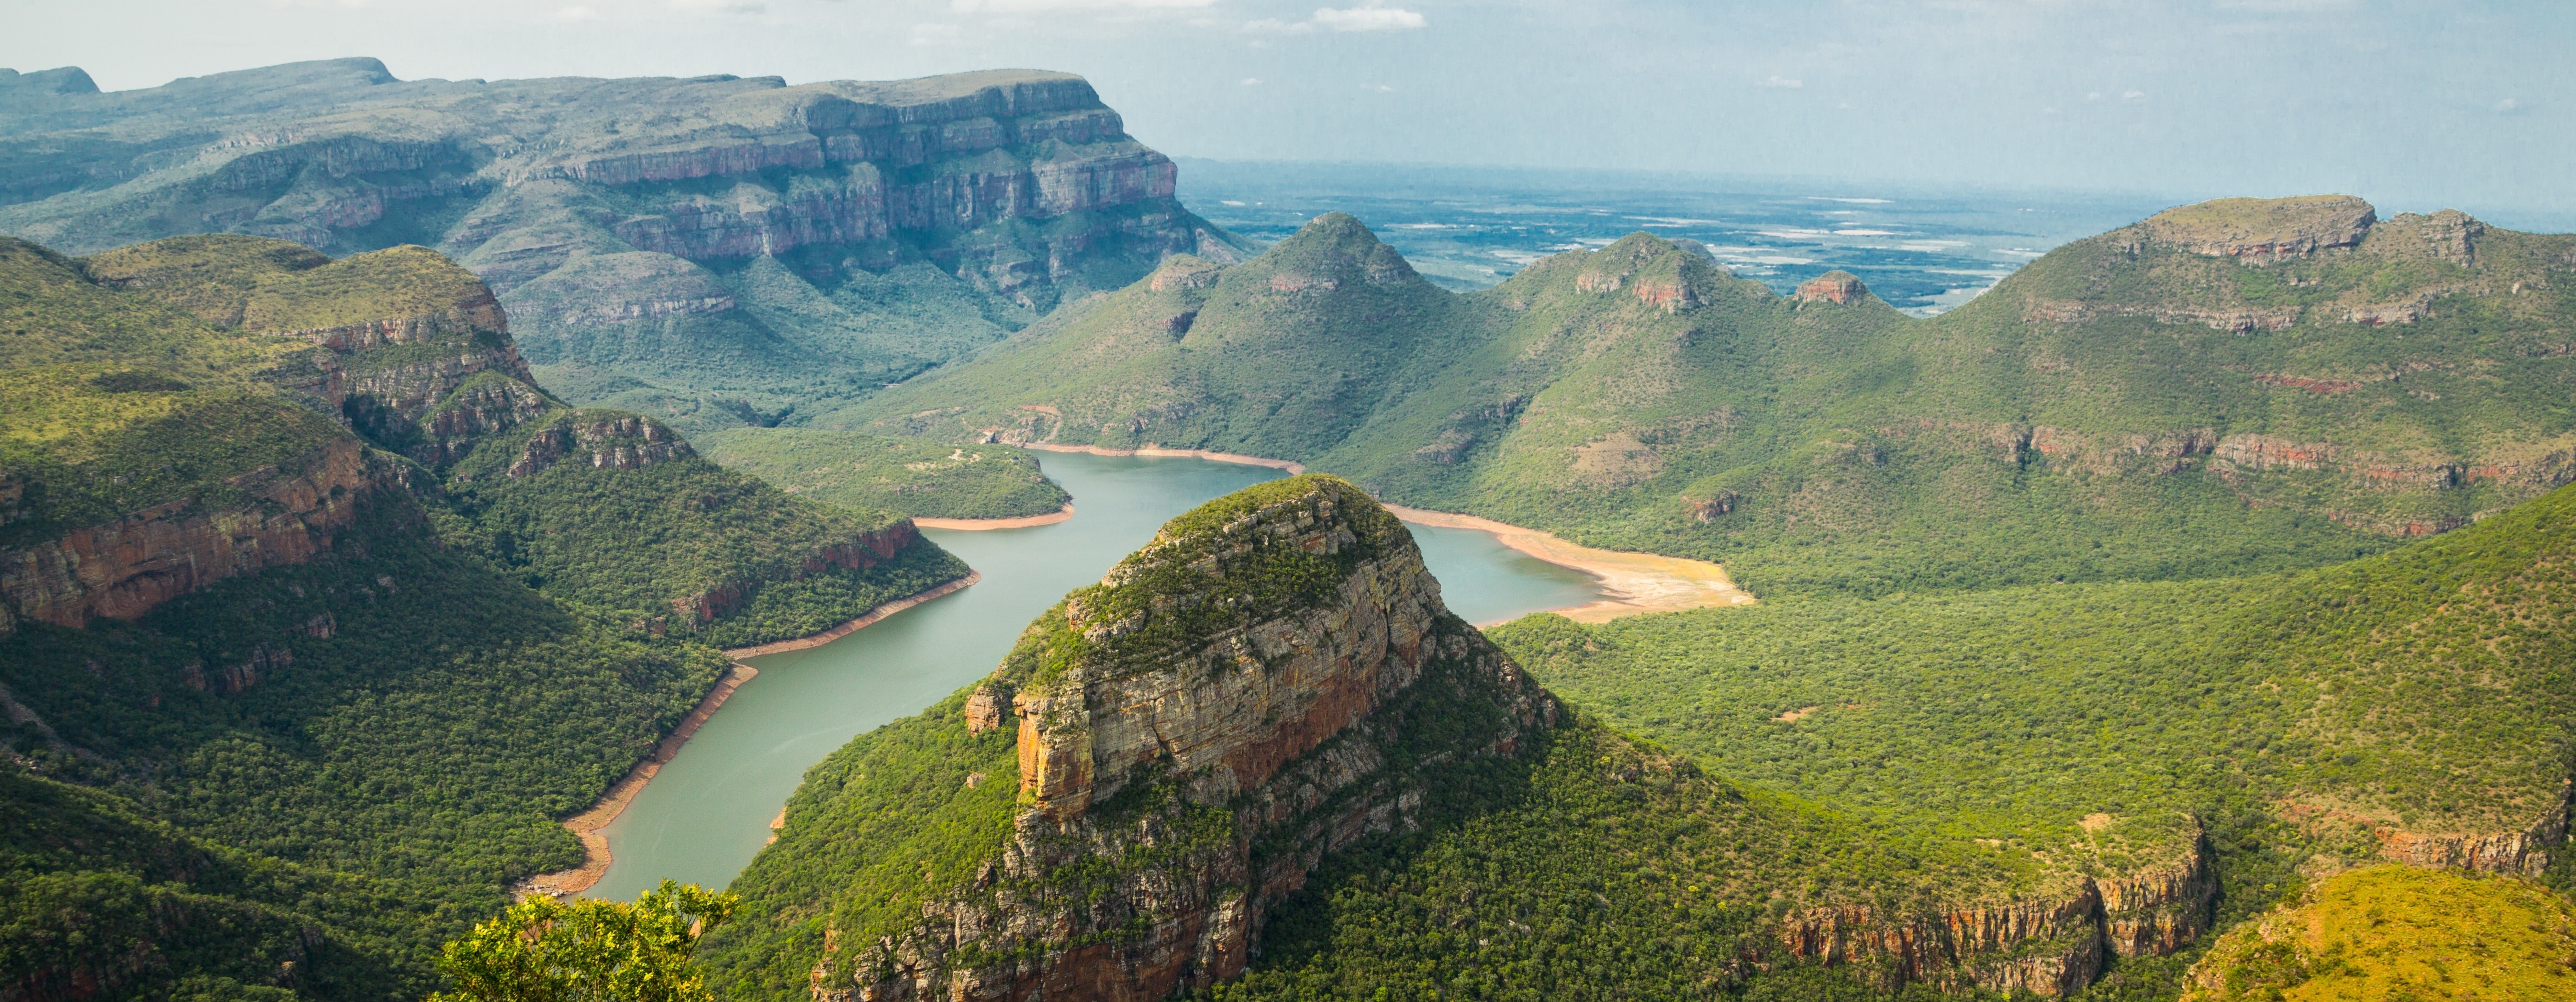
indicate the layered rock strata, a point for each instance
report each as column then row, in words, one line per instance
column 125, row 568
column 1224, row 704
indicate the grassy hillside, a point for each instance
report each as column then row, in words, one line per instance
column 921, row 479
column 2389, row 933
column 336, row 697
column 2144, row 405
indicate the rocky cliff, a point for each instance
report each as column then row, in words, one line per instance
column 601, row 210
column 1230, row 703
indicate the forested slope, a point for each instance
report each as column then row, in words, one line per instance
column 2238, row 387
column 298, row 565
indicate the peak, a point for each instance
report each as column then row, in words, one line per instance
column 1832, row 287
column 60, row 80
column 1330, row 250
column 2264, row 228
column 1314, row 504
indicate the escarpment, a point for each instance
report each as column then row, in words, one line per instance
column 287, row 514
column 1242, row 696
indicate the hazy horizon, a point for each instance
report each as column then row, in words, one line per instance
column 2414, row 106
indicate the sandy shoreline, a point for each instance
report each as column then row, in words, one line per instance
column 587, row 824
column 1636, row 582
column 855, row 625
column 981, row 524
column 1220, row 457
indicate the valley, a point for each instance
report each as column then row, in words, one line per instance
column 1013, row 569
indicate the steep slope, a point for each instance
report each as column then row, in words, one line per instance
column 227, row 599
column 1263, row 727
column 2412, row 706
column 720, row 249
column 2390, row 933
column 2230, row 388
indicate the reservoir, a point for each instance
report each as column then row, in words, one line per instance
column 707, row 812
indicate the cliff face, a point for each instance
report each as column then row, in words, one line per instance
column 123, row 569
column 1017, row 187
column 1224, row 709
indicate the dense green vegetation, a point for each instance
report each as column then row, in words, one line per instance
column 2121, row 409
column 596, row 951
column 872, row 832
column 914, row 478
column 2424, row 689
column 298, row 782
column 2389, row 933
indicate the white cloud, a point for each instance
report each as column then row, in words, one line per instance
column 2508, row 106
column 722, row 6
column 1382, row 88
column 1782, row 82
column 1369, row 18
column 2133, row 95
column 1252, row 81
column 577, row 13
column 1041, row 6
column 934, row 34
column 1364, row 18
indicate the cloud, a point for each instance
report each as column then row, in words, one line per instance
column 722, row 6
column 2508, row 106
column 1252, row 81
column 1381, row 88
column 1369, row 17
column 1044, row 6
column 1781, row 82
column 2133, row 95
column 577, row 13
column 934, row 34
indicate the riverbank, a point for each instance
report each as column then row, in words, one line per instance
column 587, row 825
column 1237, row 458
column 982, row 524
column 855, row 625
column 1636, row 582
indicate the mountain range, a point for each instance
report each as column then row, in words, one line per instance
column 2186, row 616
column 715, row 251
column 2235, row 386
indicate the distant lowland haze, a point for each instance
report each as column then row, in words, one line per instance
column 2415, row 106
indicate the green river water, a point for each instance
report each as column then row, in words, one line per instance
column 705, row 815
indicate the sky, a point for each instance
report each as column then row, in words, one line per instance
column 2414, row 105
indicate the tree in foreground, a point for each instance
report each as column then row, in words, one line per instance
column 547, row 950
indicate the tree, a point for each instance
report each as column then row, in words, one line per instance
column 545, row 950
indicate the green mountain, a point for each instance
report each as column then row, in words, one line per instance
column 2230, row 388
column 334, row 612
column 916, row 478
column 1259, row 761
column 715, row 251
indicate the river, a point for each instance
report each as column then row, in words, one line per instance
column 707, row 813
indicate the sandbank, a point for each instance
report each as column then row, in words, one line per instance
column 981, row 524
column 1636, row 582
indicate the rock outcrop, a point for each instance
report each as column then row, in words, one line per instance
column 126, row 568
column 1245, row 680
column 2260, row 230
column 1832, row 287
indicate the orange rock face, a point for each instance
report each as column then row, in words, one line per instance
column 1279, row 725
column 124, row 569
column 1832, row 287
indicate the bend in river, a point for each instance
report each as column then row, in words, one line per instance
column 707, row 812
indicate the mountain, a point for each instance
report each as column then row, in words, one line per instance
column 334, row 612
column 1262, row 748
column 2228, row 388
column 716, row 251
